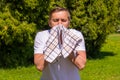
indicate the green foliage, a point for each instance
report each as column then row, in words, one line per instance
column 31, row 11
column 96, row 19
column 16, row 40
column 105, row 67
column 19, row 21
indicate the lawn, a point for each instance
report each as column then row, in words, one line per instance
column 106, row 67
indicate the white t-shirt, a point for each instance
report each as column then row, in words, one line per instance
column 63, row 68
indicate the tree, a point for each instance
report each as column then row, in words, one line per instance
column 96, row 19
column 20, row 20
column 16, row 39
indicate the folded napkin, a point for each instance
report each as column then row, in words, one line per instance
column 60, row 43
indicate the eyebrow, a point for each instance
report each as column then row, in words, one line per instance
column 57, row 19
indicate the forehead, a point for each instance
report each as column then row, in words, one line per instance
column 60, row 14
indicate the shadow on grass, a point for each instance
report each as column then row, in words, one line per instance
column 102, row 55
column 26, row 64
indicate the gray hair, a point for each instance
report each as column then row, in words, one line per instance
column 58, row 9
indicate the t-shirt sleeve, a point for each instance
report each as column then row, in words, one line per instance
column 38, row 44
column 81, row 44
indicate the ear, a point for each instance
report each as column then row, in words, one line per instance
column 49, row 23
column 68, row 24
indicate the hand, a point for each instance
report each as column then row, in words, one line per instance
column 39, row 61
column 79, row 60
column 71, row 57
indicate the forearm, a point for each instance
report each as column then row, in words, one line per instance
column 39, row 61
column 79, row 60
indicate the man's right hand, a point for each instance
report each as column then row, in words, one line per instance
column 39, row 61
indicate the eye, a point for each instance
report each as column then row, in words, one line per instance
column 55, row 20
column 63, row 20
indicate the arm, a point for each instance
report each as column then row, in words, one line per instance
column 39, row 44
column 39, row 61
column 79, row 60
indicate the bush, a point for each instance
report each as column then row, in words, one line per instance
column 16, row 41
column 95, row 19
column 19, row 21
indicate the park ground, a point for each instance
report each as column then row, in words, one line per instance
column 105, row 67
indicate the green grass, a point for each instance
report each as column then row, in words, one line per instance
column 106, row 67
column 21, row 73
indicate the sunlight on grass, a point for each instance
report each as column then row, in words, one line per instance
column 21, row 73
column 105, row 68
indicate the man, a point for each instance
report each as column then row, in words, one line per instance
column 63, row 68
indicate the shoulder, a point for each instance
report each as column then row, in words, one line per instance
column 76, row 32
column 43, row 33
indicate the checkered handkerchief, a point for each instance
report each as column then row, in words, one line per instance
column 70, row 43
column 54, row 46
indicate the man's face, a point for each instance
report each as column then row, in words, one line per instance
column 59, row 18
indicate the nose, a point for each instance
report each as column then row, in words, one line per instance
column 59, row 22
